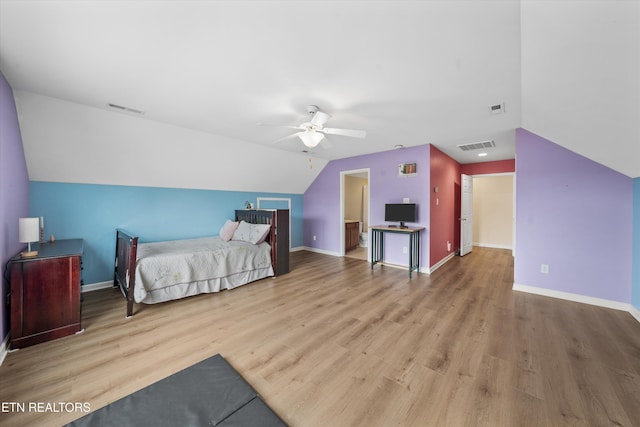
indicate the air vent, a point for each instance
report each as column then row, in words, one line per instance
column 131, row 110
column 496, row 108
column 483, row 145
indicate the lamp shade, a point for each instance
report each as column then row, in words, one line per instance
column 28, row 230
column 311, row 138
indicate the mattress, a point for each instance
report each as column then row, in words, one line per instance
column 180, row 268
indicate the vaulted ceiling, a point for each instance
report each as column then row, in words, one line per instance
column 407, row 72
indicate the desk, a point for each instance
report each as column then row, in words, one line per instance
column 377, row 244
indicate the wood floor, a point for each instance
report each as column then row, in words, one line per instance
column 334, row 343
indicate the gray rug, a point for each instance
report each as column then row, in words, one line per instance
column 209, row 393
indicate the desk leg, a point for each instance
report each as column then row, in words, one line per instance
column 418, row 252
column 373, row 248
column 414, row 252
column 410, row 254
column 377, row 247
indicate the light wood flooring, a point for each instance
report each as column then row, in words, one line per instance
column 334, row 343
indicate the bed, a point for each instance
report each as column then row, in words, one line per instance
column 163, row 271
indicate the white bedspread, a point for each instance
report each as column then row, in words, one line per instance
column 180, row 268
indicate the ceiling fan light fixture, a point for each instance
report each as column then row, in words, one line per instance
column 310, row 137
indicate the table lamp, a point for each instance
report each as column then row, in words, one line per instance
column 29, row 231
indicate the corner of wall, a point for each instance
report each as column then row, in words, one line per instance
column 14, row 187
column 635, row 281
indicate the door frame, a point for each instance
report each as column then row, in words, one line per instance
column 343, row 174
column 513, row 219
column 463, row 219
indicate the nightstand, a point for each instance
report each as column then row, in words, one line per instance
column 45, row 293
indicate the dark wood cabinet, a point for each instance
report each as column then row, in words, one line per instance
column 351, row 235
column 45, row 293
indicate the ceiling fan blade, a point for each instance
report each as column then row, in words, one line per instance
column 280, row 126
column 345, row 132
column 319, row 118
column 286, row 137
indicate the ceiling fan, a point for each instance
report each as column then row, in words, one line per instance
column 313, row 132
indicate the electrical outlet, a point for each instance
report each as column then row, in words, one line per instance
column 544, row 268
column 404, row 249
column 314, row 237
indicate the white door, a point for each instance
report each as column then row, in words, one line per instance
column 466, row 215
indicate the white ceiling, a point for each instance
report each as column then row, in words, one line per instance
column 407, row 72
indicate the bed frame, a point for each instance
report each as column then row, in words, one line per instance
column 127, row 247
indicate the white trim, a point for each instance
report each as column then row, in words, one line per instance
column 273, row 199
column 278, row 199
column 95, row 286
column 634, row 312
column 440, row 263
column 616, row 305
column 491, row 245
column 320, row 251
column 342, row 175
column 4, row 348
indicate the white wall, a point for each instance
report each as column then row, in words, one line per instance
column 581, row 77
column 69, row 142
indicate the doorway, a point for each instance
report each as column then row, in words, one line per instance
column 494, row 211
column 354, row 213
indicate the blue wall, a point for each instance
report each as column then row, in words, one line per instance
column 93, row 212
column 635, row 287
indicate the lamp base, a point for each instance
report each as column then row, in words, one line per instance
column 29, row 254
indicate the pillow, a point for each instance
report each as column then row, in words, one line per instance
column 263, row 231
column 243, row 232
column 227, row 230
column 252, row 233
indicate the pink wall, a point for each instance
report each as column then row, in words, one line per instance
column 498, row 166
column 445, row 205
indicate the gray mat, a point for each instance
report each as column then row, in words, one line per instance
column 209, row 393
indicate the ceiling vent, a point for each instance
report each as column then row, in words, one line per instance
column 483, row 145
column 496, row 109
column 130, row 110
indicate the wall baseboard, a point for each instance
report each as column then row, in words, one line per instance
column 601, row 302
column 320, row 251
column 442, row 262
column 490, row 245
column 95, row 286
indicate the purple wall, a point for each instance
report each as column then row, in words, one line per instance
column 14, row 188
column 322, row 199
column 574, row 215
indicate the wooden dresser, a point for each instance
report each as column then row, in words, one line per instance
column 45, row 293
